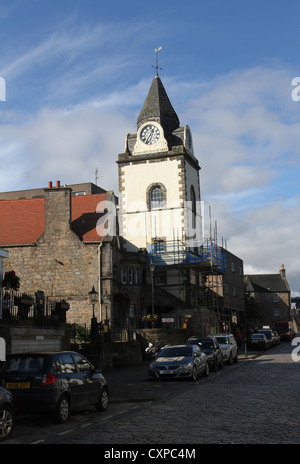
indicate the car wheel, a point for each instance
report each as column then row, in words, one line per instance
column 230, row 360
column 206, row 370
column 102, row 404
column 7, row 421
column 236, row 358
column 63, row 409
column 215, row 365
column 194, row 374
column 221, row 364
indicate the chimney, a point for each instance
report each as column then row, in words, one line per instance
column 58, row 213
column 50, row 185
column 282, row 271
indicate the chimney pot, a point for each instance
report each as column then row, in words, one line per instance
column 58, row 184
column 49, row 185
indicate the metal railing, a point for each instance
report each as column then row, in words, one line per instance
column 16, row 306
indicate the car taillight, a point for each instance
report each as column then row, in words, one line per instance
column 48, row 379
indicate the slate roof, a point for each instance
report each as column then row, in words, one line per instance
column 266, row 283
column 157, row 107
column 22, row 221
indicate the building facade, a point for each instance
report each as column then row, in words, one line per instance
column 272, row 295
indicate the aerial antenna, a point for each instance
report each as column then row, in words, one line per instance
column 96, row 176
column 156, row 67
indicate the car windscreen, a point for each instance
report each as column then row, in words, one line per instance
column 267, row 333
column 175, row 352
column 257, row 336
column 223, row 340
column 24, row 364
column 207, row 344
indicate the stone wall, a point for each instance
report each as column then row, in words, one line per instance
column 59, row 264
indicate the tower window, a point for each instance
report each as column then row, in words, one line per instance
column 156, row 197
column 193, row 199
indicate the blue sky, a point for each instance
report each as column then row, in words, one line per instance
column 77, row 74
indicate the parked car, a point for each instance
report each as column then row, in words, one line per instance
column 276, row 337
column 54, row 381
column 178, row 362
column 7, row 414
column 285, row 330
column 229, row 347
column 258, row 341
column 269, row 334
column 211, row 348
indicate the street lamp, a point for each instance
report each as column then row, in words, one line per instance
column 93, row 299
column 152, row 269
column 105, row 300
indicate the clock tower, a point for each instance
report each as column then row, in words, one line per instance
column 159, row 188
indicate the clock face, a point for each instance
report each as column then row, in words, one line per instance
column 150, row 134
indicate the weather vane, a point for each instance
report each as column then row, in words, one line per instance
column 157, row 67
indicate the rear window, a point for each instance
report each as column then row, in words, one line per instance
column 28, row 364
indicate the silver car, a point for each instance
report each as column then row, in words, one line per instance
column 179, row 361
column 229, row 347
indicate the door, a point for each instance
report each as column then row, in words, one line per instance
column 91, row 385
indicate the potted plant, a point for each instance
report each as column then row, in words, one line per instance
column 11, row 281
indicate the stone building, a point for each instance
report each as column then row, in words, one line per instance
column 272, row 294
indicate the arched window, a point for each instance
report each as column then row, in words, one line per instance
column 156, row 197
column 193, row 200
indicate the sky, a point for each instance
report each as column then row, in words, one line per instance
column 74, row 76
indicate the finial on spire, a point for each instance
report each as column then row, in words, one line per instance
column 157, row 67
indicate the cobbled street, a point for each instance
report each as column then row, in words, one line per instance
column 255, row 401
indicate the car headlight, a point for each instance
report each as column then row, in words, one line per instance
column 186, row 366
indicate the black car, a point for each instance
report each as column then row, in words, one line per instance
column 7, row 414
column 211, row 348
column 53, row 381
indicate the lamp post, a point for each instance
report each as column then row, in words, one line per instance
column 152, row 269
column 93, row 299
column 105, row 301
column 93, row 295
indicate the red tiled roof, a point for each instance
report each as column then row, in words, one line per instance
column 22, row 221
column 84, row 216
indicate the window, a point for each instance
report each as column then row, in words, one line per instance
column 130, row 275
column 123, row 275
column 156, row 197
column 83, row 365
column 159, row 246
column 193, row 200
column 68, row 366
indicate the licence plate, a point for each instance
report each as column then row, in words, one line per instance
column 17, row 385
column 166, row 372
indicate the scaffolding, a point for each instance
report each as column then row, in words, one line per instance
column 208, row 256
